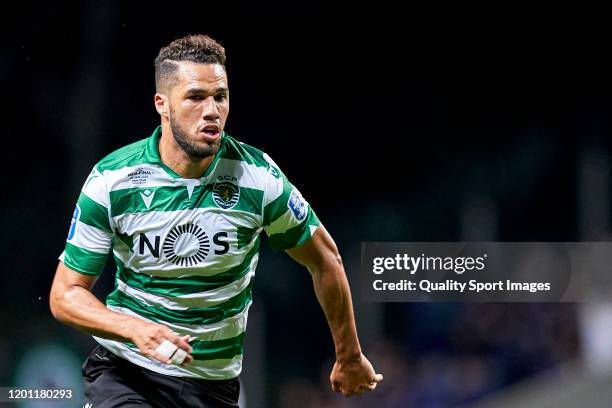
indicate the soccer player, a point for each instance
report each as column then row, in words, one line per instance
column 182, row 211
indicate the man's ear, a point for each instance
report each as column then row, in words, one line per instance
column 161, row 104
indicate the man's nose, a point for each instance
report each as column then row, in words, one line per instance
column 211, row 111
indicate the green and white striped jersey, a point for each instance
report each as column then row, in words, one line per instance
column 185, row 249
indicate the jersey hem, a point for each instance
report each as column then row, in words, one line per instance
column 158, row 371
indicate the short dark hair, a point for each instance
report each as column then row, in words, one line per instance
column 198, row 48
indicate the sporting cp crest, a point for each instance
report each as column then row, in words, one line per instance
column 226, row 194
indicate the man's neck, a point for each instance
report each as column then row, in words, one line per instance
column 174, row 157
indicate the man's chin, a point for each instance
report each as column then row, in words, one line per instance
column 202, row 151
column 198, row 146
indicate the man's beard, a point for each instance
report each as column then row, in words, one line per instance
column 193, row 151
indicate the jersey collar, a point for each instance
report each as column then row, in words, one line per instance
column 152, row 150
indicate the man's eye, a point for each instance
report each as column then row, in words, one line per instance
column 195, row 97
column 220, row 97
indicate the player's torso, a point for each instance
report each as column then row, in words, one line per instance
column 169, row 226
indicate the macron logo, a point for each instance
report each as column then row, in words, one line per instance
column 147, row 196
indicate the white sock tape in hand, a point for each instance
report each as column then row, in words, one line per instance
column 179, row 357
column 166, row 349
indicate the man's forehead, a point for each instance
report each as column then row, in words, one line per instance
column 192, row 73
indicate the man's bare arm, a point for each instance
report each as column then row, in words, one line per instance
column 352, row 373
column 72, row 302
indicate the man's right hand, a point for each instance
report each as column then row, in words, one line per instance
column 72, row 302
column 149, row 336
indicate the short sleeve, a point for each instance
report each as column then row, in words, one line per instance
column 288, row 219
column 90, row 234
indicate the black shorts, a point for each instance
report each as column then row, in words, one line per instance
column 111, row 381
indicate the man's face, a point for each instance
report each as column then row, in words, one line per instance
column 199, row 105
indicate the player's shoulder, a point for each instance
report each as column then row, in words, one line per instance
column 237, row 150
column 129, row 155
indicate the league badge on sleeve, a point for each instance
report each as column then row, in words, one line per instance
column 73, row 222
column 297, row 205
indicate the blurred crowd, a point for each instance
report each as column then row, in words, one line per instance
column 451, row 355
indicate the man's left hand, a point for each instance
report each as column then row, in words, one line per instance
column 354, row 376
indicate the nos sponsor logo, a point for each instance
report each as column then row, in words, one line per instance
column 185, row 245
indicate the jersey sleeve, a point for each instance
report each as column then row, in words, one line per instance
column 288, row 219
column 90, row 235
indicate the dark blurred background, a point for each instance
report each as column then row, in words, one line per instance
column 413, row 124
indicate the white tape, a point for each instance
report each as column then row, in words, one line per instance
column 166, row 349
column 179, row 357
